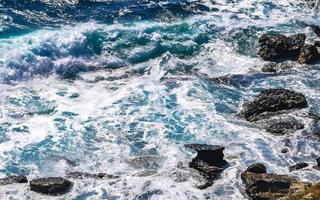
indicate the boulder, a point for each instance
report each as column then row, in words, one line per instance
column 274, row 47
column 13, row 179
column 209, row 161
column 283, row 125
column 260, row 185
column 298, row 166
column 308, row 54
column 50, row 185
column 273, row 100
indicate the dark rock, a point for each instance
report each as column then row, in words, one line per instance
column 257, row 168
column 309, row 54
column 275, row 47
column 82, row 175
column 13, row 179
column 284, row 150
column 209, row 162
column 211, row 154
column 316, row 129
column 273, row 100
column 318, row 164
column 315, row 29
column 298, row 166
column 263, row 185
column 283, row 125
column 50, row 185
column 317, row 43
column 276, row 67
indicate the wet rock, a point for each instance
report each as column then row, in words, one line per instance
column 315, row 29
column 82, row 175
column 211, row 154
column 50, row 185
column 317, row 43
column 284, row 150
column 209, row 162
column 275, row 47
column 317, row 166
column 265, row 186
column 309, row 54
column 276, row 67
column 237, row 80
column 273, row 100
column 283, row 125
column 13, row 179
column 298, row 166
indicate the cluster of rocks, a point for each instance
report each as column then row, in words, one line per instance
column 278, row 47
column 53, row 185
column 261, row 185
column 271, row 109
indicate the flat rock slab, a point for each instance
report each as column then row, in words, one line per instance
column 209, row 162
column 50, row 185
column 273, row 100
column 13, row 179
column 82, row 175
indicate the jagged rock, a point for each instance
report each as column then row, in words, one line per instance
column 298, row 166
column 13, row 179
column 309, row 54
column 283, row 125
column 50, row 185
column 275, row 47
column 273, row 100
column 265, row 186
column 209, row 162
column 81, row 175
column 276, row 67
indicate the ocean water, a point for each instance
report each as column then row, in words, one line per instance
column 119, row 86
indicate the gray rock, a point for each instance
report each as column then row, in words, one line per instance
column 13, row 179
column 283, row 125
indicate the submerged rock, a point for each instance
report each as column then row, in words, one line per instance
column 309, row 54
column 273, row 100
column 50, row 185
column 81, row 175
column 275, row 47
column 209, row 162
column 298, row 166
column 283, row 125
column 276, row 67
column 13, row 179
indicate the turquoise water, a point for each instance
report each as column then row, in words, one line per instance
column 117, row 80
